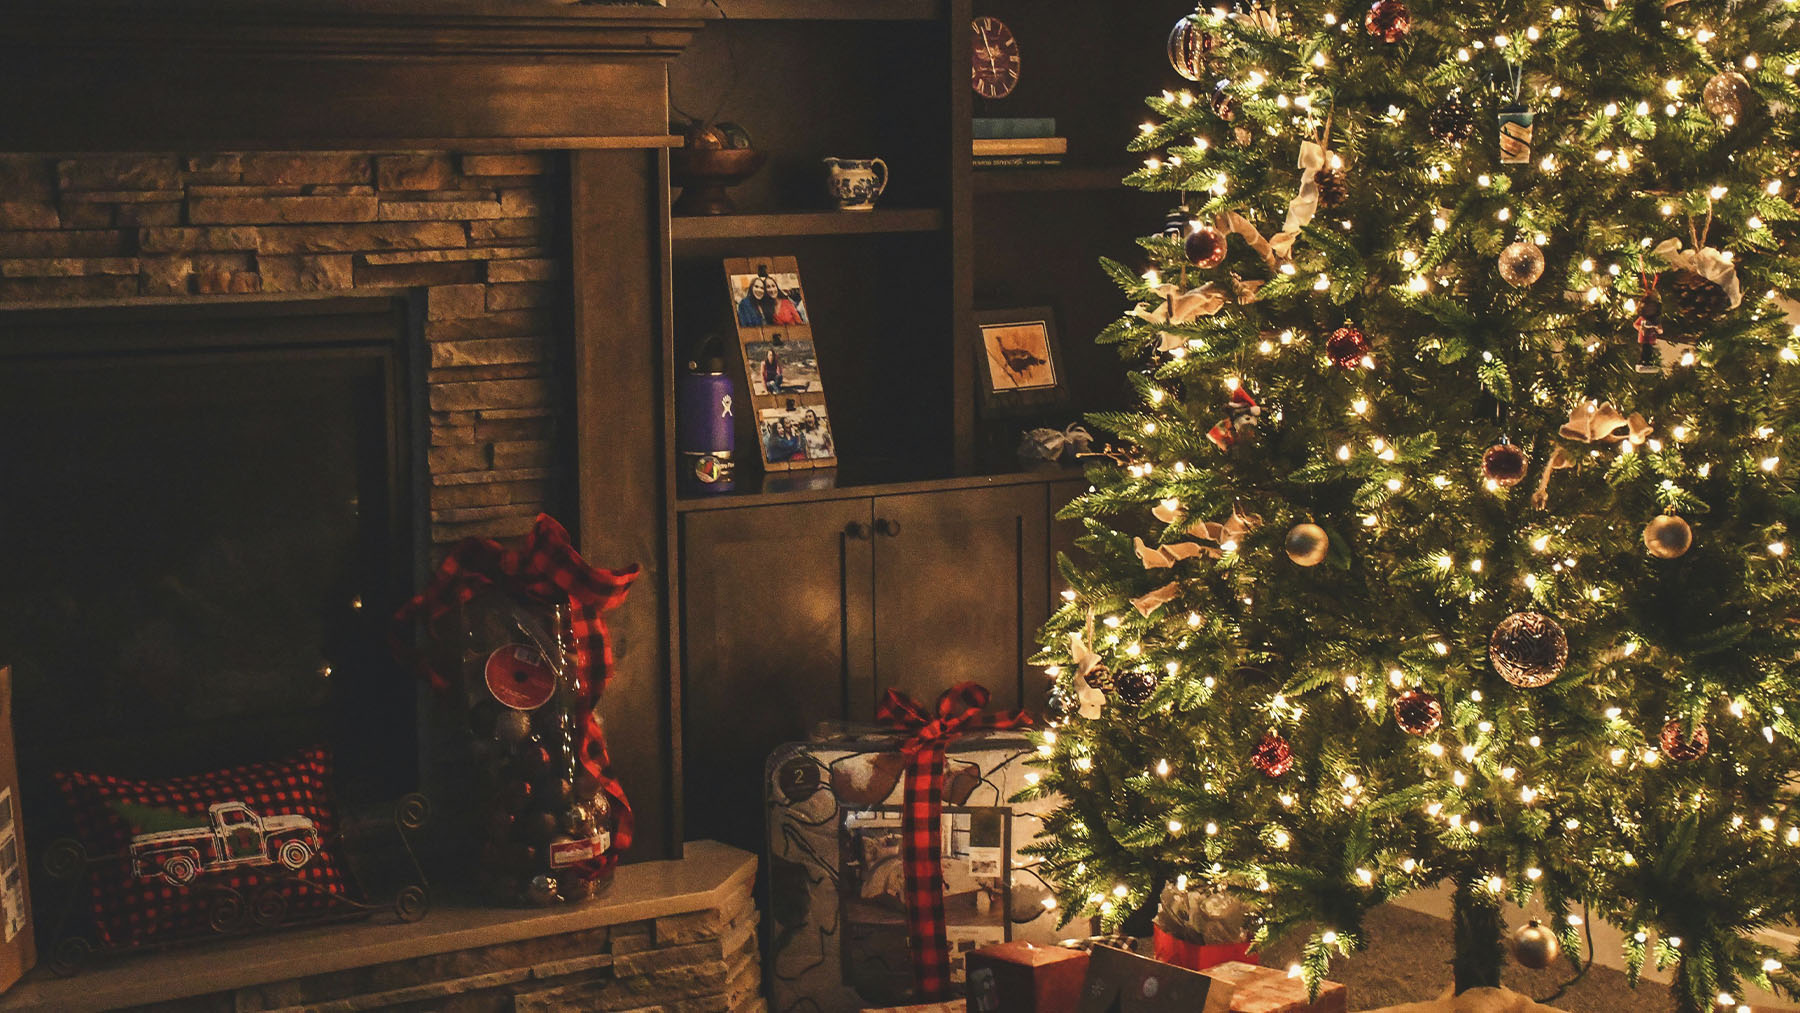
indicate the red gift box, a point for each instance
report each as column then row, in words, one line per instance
column 1020, row 977
column 1171, row 949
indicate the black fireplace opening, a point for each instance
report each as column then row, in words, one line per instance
column 210, row 512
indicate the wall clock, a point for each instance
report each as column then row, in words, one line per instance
column 994, row 61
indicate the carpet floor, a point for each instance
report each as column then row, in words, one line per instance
column 1408, row 960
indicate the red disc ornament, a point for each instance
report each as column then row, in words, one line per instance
column 1347, row 346
column 1418, row 712
column 1678, row 745
column 518, row 677
column 1388, row 20
column 1273, row 755
column 1205, row 246
column 1504, row 464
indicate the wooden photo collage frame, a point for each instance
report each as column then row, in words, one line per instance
column 781, row 363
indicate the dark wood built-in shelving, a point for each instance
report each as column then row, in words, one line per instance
column 818, row 10
column 807, row 223
column 1026, row 180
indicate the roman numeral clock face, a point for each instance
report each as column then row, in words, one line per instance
column 994, row 62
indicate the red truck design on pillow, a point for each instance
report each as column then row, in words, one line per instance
column 231, row 835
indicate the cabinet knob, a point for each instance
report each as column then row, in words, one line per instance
column 856, row 531
column 887, row 528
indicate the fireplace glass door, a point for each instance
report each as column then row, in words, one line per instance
column 208, row 517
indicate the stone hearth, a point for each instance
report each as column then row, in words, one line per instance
column 671, row 937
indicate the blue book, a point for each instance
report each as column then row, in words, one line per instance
column 990, row 127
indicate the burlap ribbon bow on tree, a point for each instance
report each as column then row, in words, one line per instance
column 960, row 710
column 546, row 568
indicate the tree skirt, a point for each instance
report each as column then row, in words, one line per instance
column 1475, row 1000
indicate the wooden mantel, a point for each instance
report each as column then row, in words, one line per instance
column 120, row 75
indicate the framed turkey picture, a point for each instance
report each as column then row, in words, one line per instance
column 1021, row 368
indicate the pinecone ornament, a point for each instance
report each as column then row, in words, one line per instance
column 1452, row 120
column 1334, row 188
column 1135, row 687
column 1677, row 744
column 1696, row 297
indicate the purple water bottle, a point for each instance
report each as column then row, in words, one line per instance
column 705, row 426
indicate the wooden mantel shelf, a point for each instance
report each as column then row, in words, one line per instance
column 706, row 877
column 122, row 75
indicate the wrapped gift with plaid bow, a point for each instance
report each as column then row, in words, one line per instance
column 515, row 642
column 894, row 852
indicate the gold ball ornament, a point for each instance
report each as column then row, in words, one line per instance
column 1726, row 95
column 1521, row 263
column 1528, row 649
column 1307, row 544
column 1533, row 946
column 1668, row 536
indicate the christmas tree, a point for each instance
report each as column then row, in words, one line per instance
column 1448, row 539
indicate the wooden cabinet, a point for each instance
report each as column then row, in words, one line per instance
column 797, row 612
column 960, row 591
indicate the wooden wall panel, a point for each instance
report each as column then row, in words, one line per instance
column 618, row 243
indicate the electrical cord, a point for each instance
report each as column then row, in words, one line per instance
column 1587, row 926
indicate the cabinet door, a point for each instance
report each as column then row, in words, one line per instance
column 961, row 588
column 775, row 632
column 1063, row 533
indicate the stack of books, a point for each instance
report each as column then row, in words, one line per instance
column 1017, row 141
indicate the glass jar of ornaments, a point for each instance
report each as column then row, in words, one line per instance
column 542, row 815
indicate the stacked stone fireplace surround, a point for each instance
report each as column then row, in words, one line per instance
column 480, row 239
column 479, row 236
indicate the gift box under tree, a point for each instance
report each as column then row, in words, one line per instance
column 843, row 924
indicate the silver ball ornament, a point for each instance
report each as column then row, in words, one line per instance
column 1533, row 945
column 512, row 726
column 541, row 890
column 1521, row 263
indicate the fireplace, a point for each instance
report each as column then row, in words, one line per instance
column 213, row 509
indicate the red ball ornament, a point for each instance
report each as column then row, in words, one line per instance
column 1418, row 712
column 1678, row 745
column 1388, row 20
column 1205, row 246
column 1347, row 347
column 1273, row 756
column 1504, row 464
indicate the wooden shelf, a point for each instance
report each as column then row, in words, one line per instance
column 830, row 484
column 806, row 223
column 817, row 10
column 1026, row 179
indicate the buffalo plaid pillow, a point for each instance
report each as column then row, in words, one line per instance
column 207, row 853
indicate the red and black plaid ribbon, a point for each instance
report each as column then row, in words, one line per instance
column 959, row 711
column 548, row 568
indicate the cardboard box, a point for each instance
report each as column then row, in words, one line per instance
column 1022, row 977
column 1268, row 990
column 1119, row 981
column 18, row 946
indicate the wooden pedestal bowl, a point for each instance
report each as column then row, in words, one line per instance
column 704, row 173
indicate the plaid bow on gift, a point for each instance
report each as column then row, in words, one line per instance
column 547, row 568
column 959, row 711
